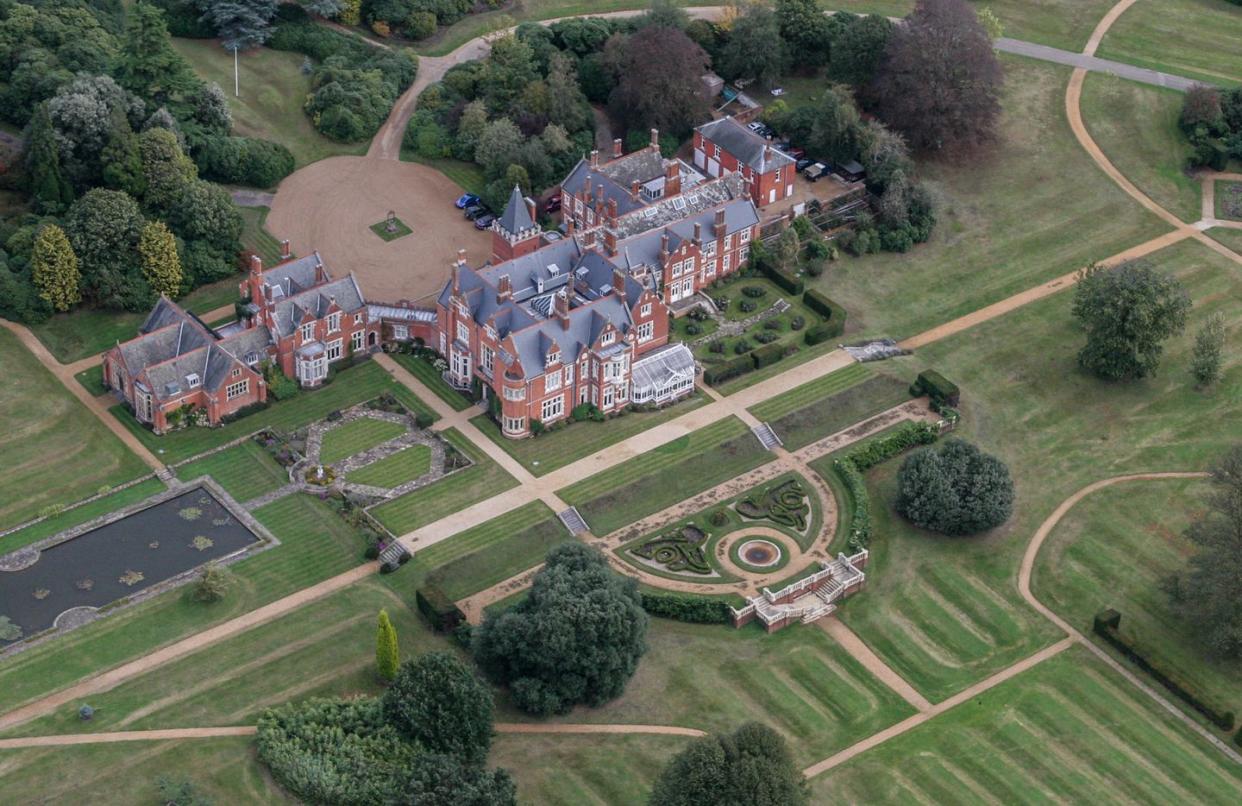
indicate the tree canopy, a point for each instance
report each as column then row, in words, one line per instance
column 658, row 74
column 576, row 638
column 1128, row 311
column 438, row 702
column 439, row 780
column 1205, row 594
column 955, row 489
column 751, row 766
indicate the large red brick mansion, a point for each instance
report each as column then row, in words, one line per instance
column 557, row 322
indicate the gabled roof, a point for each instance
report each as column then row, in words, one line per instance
column 746, row 147
column 637, row 166
column 576, row 182
column 169, row 331
column 516, row 217
column 295, row 276
column 288, row 313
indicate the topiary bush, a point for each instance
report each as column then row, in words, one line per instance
column 955, row 490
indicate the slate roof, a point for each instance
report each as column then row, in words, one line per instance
column 287, row 313
column 745, row 146
column 586, row 322
column 516, row 217
column 575, row 183
column 672, row 209
column 295, row 276
column 637, row 166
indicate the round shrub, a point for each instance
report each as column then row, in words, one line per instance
column 741, row 347
column 754, row 291
column 766, row 337
column 746, row 306
column 716, row 347
column 772, row 324
column 797, row 323
column 438, row 702
column 955, row 489
column 420, row 25
column 693, row 330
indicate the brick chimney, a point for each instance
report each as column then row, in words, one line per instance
column 655, row 139
column 663, row 246
column 569, row 225
column 612, row 212
column 718, row 228
column 698, row 234
column 561, row 309
column 672, row 178
column 504, row 288
column 285, row 251
column 588, row 239
column 461, row 257
column 634, row 186
column 594, row 157
column 456, row 278
column 618, row 281
column 256, row 264
column 616, row 148
column 610, row 242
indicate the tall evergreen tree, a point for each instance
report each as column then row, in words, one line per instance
column 50, row 189
column 54, row 268
column 149, row 65
column 387, row 658
column 1206, row 358
column 240, row 24
column 157, row 251
column 122, row 161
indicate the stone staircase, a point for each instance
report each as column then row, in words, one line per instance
column 393, row 553
column 766, row 436
column 808, row 599
column 573, row 521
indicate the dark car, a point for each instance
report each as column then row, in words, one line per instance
column 484, row 221
column 803, row 164
column 795, row 152
column 465, row 200
column 474, row 211
column 553, row 204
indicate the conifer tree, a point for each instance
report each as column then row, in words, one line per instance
column 122, row 160
column 157, row 249
column 386, row 656
column 54, row 268
column 49, row 187
column 149, row 65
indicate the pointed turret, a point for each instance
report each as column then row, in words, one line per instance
column 515, row 232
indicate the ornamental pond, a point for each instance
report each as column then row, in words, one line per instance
column 121, row 558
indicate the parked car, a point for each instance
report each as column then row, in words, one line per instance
column 795, row 152
column 803, row 164
column 553, row 204
column 484, row 221
column 465, row 200
column 815, row 171
column 778, row 91
column 754, row 126
column 474, row 211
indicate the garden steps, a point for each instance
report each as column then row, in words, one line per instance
column 573, row 521
column 766, row 436
column 392, row 553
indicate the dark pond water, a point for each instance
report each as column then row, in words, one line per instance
column 121, row 559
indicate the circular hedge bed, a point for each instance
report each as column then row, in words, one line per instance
column 755, row 546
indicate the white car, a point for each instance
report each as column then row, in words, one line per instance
column 778, row 91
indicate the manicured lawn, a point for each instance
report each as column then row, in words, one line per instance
column 316, row 543
column 784, row 326
column 493, row 551
column 55, row 450
column 670, row 473
column 85, row 332
column 400, row 230
column 1231, row 238
column 430, row 376
column 245, row 471
column 92, row 379
column 1115, row 549
column 273, row 88
column 255, row 236
column 829, row 404
column 78, row 515
column 797, row 681
column 122, row 773
column 572, row 770
column 1031, row 208
column 555, row 449
column 1063, row 24
column 392, row 471
column 457, row 491
column 1136, row 126
column 945, row 612
column 1193, row 38
column 352, row 386
column 355, row 437
column 1070, row 730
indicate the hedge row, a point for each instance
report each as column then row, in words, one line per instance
column 940, row 389
column 438, row 609
column 790, row 283
column 1107, row 624
column 852, row 465
column 693, row 609
column 758, row 358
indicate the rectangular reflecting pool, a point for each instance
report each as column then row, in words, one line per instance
column 120, row 559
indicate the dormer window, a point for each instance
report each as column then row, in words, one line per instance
column 606, row 339
column 554, row 358
column 192, row 381
column 252, row 358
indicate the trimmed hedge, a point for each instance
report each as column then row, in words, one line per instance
column 820, row 303
column 786, row 281
column 815, row 334
column 940, row 389
column 767, row 355
column 853, row 464
column 692, row 609
column 719, row 373
column 438, row 609
column 1107, row 625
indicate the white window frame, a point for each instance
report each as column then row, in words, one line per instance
column 646, row 331
column 606, row 339
column 645, row 310
column 553, row 408
column 400, row 332
column 608, row 396
column 357, row 318
column 192, row 381
column 308, row 332
column 551, row 381
column 744, row 235
column 515, row 394
column 357, row 340
column 463, row 332
column 236, row 390
column 334, row 322
column 335, row 349
column 515, row 425
column 488, row 357
column 569, row 374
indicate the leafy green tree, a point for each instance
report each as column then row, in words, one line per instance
column 500, row 144
column 149, row 66
column 509, row 67
column 211, row 109
column 434, row 779
column 837, row 127
column 576, row 638
column 659, row 84
column 103, row 227
column 1206, row 359
column 751, row 766
column 858, row 49
column 787, row 248
column 54, row 269
column 470, row 129
column 437, row 701
column 387, row 657
column 82, row 113
column 664, row 14
column 990, row 22
column 883, row 154
column 167, row 171
column 157, row 249
column 351, row 12
column 122, row 159
column 324, row 8
column 205, row 212
column 1128, row 312
column 1205, row 593
column 755, row 48
column 213, row 584
column 809, row 35
column 567, row 106
column 955, row 489
column 49, row 188
column 240, row 24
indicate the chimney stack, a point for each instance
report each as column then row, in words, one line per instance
column 504, row 288
column 569, row 225
column 672, row 178
column 663, row 246
column 612, row 212
column 698, row 233
column 616, row 148
column 588, row 239
column 561, row 305
column 718, row 229
column 594, row 158
column 456, row 278
column 655, row 139
column 634, row 190
column 256, row 264
column 618, row 281
column 285, row 251
column 610, row 242
column 461, row 257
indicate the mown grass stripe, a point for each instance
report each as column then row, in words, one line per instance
column 810, row 392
